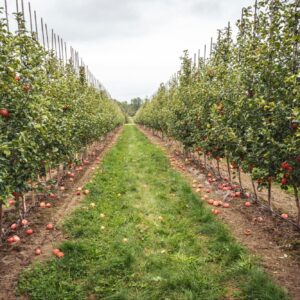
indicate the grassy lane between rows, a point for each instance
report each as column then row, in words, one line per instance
column 143, row 234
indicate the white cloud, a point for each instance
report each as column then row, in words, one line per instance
column 133, row 45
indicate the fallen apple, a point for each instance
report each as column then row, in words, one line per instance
column 24, row 222
column 29, row 231
column 37, row 251
column 14, row 226
column 49, row 226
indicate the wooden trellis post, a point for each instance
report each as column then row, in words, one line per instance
column 36, row 26
column 6, row 14
column 43, row 35
column 47, row 36
column 30, row 17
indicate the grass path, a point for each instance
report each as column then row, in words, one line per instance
column 147, row 237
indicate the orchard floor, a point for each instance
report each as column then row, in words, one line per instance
column 143, row 234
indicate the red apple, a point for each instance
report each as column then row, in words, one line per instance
column 49, row 226
column 10, row 240
column 55, row 251
column 60, row 254
column 4, row 113
column 285, row 166
column 37, row 251
column 13, row 239
column 248, row 204
column 24, row 222
column 48, row 205
column 284, row 216
column 43, row 204
column 29, row 231
column 11, row 202
column 283, row 181
column 16, row 239
column 14, row 226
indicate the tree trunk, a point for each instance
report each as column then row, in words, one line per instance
column 1, row 219
column 254, row 190
column 297, row 203
column 24, row 208
column 228, row 169
column 218, row 167
column 33, row 194
column 270, row 194
column 240, row 179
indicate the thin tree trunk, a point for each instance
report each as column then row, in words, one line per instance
column 24, row 208
column 240, row 179
column 218, row 167
column 33, row 194
column 254, row 189
column 297, row 203
column 1, row 219
column 58, row 176
column 270, row 194
column 228, row 169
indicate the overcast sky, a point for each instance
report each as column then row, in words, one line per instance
column 132, row 46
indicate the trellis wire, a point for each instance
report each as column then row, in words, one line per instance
column 39, row 30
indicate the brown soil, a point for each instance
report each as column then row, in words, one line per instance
column 282, row 201
column 15, row 258
column 275, row 242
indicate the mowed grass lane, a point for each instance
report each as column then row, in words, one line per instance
column 147, row 237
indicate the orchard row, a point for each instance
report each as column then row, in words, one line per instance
column 49, row 114
column 242, row 104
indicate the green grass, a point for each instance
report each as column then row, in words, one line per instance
column 175, row 249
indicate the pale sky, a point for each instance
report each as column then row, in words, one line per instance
column 132, row 46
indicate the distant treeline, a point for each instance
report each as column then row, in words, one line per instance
column 131, row 108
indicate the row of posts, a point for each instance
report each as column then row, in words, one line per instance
column 56, row 45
